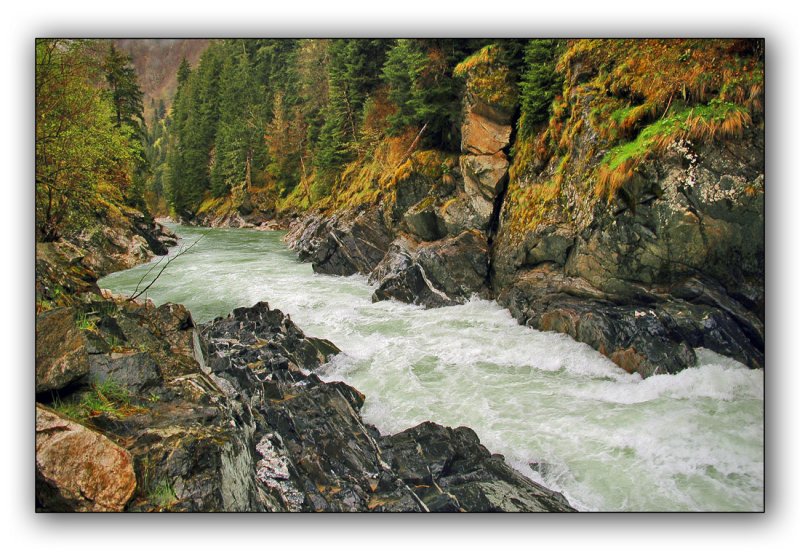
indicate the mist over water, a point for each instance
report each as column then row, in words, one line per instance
column 559, row 411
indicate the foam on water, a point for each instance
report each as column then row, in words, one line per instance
column 559, row 411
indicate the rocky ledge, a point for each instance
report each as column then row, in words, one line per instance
column 72, row 265
column 139, row 409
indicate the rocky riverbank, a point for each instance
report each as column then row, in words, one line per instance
column 71, row 266
column 139, row 409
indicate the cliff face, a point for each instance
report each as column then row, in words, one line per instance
column 647, row 233
column 430, row 226
column 633, row 220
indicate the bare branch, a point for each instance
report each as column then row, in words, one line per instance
column 149, row 285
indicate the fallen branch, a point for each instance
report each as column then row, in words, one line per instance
column 149, row 285
column 410, row 149
column 147, row 273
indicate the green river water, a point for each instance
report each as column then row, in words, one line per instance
column 608, row 440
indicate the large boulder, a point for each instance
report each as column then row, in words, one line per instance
column 346, row 244
column 62, row 352
column 451, row 471
column 442, row 273
column 78, row 469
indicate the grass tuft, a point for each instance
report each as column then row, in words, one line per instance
column 108, row 397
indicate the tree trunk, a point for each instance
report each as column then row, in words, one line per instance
column 304, row 181
column 247, row 181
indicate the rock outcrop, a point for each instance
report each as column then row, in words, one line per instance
column 427, row 242
column 674, row 260
column 348, row 243
column 451, row 471
column 436, row 274
column 229, row 416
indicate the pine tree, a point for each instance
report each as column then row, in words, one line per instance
column 422, row 87
column 539, row 83
column 125, row 92
column 404, row 65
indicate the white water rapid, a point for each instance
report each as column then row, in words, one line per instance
column 559, row 411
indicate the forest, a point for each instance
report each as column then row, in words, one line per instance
column 292, row 114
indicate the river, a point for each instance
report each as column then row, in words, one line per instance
column 560, row 412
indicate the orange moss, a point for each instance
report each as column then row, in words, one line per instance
column 641, row 97
column 487, row 78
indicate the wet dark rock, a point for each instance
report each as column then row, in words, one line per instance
column 346, row 244
column 225, row 416
column 450, row 470
column 135, row 371
column 437, row 274
column 263, row 338
column 655, row 332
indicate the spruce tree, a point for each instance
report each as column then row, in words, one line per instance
column 125, row 92
column 539, row 83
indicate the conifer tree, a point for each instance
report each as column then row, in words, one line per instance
column 125, row 92
column 241, row 125
column 539, row 83
column 196, row 114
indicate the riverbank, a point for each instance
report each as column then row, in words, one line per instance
column 140, row 409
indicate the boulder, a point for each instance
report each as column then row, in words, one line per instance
column 349, row 243
column 436, row 274
column 78, row 469
column 402, row 278
column 62, row 355
column 260, row 335
column 334, row 455
column 451, row 471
